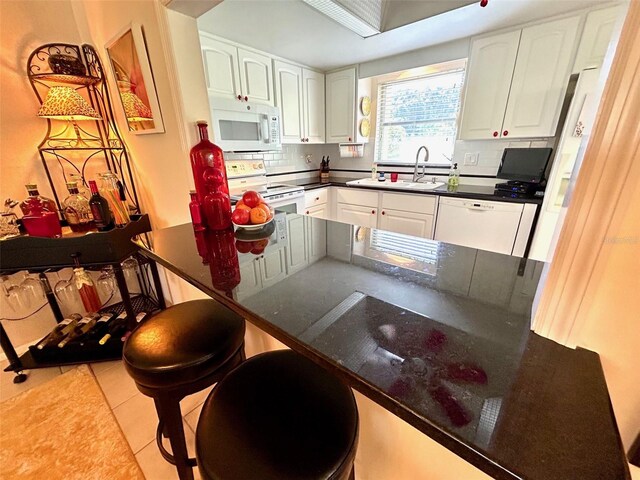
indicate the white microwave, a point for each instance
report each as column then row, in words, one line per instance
column 245, row 127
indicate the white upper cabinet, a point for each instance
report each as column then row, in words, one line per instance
column 256, row 77
column 596, row 37
column 313, row 106
column 233, row 72
column 516, row 81
column 540, row 79
column 489, row 74
column 288, row 82
column 221, row 68
column 341, row 106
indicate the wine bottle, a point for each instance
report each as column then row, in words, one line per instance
column 61, row 331
column 100, row 328
column 100, row 209
column 83, row 326
column 116, row 327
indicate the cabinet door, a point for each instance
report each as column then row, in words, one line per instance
column 273, row 267
column 220, row 68
column 408, row 223
column 313, row 106
column 296, row 249
column 256, row 77
column 318, row 211
column 596, row 36
column 289, row 99
column 540, row 79
column 316, row 237
column 489, row 74
column 341, row 106
column 251, row 282
column 357, row 215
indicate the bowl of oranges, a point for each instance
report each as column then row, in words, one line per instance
column 252, row 212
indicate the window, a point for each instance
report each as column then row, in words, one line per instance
column 416, row 111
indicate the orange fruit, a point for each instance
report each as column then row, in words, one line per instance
column 258, row 215
column 242, row 206
column 267, row 210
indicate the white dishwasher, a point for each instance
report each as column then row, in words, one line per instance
column 478, row 224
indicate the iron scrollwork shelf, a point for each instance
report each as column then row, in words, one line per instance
column 62, row 157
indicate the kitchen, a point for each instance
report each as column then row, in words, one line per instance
column 286, row 163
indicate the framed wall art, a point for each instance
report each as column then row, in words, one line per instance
column 127, row 53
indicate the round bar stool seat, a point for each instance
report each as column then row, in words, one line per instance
column 179, row 351
column 278, row 416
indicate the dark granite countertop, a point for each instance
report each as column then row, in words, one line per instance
column 437, row 334
column 479, row 192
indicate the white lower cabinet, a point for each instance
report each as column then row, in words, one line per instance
column 251, row 279
column 296, row 251
column 491, row 226
column 408, row 223
column 358, row 215
column 315, row 239
column 273, row 267
column 318, row 211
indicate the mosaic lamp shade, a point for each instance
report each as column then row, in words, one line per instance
column 65, row 103
column 134, row 108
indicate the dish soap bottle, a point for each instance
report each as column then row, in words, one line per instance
column 454, row 178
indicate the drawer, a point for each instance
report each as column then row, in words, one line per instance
column 316, row 197
column 354, row 196
column 408, row 202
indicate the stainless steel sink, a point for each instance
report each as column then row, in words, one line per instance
column 399, row 185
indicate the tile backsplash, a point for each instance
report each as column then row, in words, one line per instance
column 291, row 158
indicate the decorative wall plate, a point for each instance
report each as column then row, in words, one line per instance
column 365, row 127
column 365, row 105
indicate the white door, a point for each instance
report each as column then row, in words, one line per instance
column 289, row 99
column 220, row 68
column 316, row 237
column 489, row 74
column 318, row 211
column 491, row 226
column 357, row 215
column 273, row 267
column 296, row 249
column 313, row 106
column 596, row 37
column 540, row 79
column 341, row 106
column 250, row 279
column 408, row 223
column 256, row 77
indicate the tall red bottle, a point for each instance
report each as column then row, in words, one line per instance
column 210, row 177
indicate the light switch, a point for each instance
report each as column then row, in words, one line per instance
column 471, row 159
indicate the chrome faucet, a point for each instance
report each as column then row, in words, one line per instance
column 416, row 176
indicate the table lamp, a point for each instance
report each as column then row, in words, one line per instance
column 65, row 103
column 134, row 107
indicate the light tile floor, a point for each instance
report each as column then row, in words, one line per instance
column 134, row 412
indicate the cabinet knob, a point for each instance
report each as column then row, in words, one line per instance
column 373, row 212
column 307, row 212
column 246, row 99
column 317, row 198
column 349, row 138
column 383, row 212
column 495, row 134
column 306, row 140
column 239, row 97
column 505, row 133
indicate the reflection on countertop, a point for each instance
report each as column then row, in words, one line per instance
column 439, row 334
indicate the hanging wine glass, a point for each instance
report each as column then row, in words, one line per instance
column 14, row 294
column 106, row 284
column 67, row 293
column 32, row 290
column 130, row 269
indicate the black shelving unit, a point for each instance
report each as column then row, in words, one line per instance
column 93, row 251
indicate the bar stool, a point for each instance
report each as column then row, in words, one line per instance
column 182, row 350
column 278, row 416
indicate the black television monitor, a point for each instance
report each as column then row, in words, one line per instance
column 524, row 164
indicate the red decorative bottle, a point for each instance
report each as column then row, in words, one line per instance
column 40, row 215
column 196, row 212
column 210, row 177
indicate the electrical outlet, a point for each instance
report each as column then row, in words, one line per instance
column 471, row 159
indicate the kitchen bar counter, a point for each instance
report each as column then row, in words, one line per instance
column 478, row 192
column 435, row 333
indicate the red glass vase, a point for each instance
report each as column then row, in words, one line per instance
column 210, row 178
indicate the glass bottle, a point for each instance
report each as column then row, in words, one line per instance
column 454, row 178
column 87, row 289
column 210, row 177
column 196, row 212
column 112, row 189
column 60, row 331
column 77, row 211
column 40, row 215
column 100, row 209
column 35, row 201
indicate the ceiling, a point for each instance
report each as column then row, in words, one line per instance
column 291, row 29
